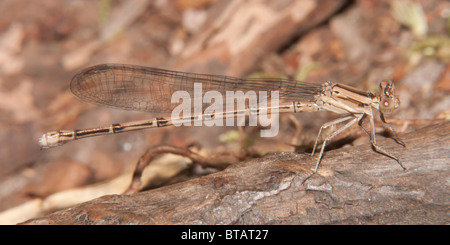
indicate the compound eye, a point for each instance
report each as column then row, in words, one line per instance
column 388, row 99
column 387, row 105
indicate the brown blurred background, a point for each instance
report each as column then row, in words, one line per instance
column 44, row 43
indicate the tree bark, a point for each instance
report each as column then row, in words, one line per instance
column 354, row 185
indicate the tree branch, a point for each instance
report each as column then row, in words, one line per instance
column 354, row 185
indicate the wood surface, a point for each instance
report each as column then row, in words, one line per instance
column 354, row 185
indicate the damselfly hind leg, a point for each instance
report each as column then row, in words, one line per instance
column 329, row 137
column 326, row 125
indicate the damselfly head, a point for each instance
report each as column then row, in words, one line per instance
column 388, row 99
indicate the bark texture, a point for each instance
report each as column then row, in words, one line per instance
column 354, row 185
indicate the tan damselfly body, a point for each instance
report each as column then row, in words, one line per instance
column 149, row 89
